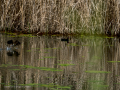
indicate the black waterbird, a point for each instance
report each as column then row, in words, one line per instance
column 65, row 39
column 16, row 43
column 10, row 42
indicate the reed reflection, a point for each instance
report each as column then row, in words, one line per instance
column 46, row 63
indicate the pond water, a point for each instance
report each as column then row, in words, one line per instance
column 47, row 63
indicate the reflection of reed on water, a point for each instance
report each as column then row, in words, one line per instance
column 40, row 55
column 12, row 50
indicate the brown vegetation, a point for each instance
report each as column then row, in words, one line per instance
column 60, row 16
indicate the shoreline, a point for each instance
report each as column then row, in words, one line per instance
column 17, row 33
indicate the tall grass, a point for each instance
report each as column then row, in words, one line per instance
column 53, row 16
column 112, row 17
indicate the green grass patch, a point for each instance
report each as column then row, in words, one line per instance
column 2, row 83
column 113, row 61
column 53, row 35
column 50, row 69
column 41, row 68
column 51, row 86
column 11, row 36
column 4, row 65
column 28, row 50
column 109, row 37
column 117, row 83
column 96, row 57
column 66, row 64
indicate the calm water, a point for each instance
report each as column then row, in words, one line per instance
column 47, row 63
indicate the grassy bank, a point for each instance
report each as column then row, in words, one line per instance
column 59, row 16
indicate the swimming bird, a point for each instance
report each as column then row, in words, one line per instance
column 65, row 39
column 15, row 43
column 10, row 42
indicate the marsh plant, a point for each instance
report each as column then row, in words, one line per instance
column 57, row 16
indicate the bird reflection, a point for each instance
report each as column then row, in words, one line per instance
column 15, row 53
column 12, row 49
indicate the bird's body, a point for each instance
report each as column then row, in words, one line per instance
column 10, row 42
column 15, row 43
column 67, row 40
column 12, row 49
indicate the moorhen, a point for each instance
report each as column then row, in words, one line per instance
column 16, row 43
column 10, row 42
column 65, row 39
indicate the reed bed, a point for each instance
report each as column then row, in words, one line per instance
column 58, row 16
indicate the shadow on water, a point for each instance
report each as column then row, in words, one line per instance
column 51, row 63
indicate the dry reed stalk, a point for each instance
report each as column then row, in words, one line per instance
column 112, row 17
column 64, row 16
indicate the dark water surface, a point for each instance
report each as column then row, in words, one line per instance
column 47, row 63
